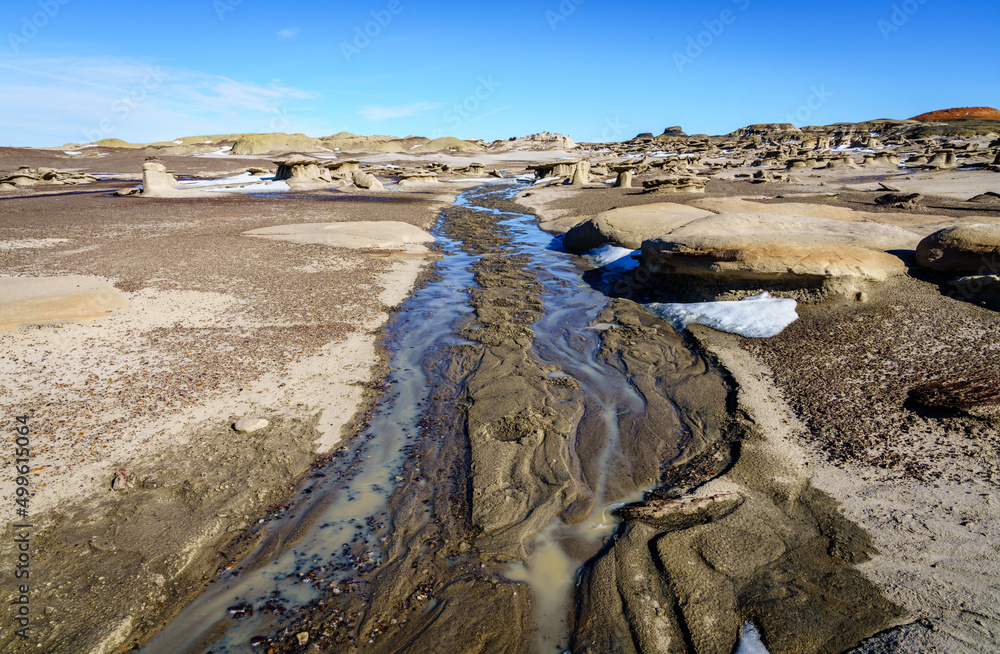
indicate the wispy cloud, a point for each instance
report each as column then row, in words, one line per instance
column 70, row 98
column 288, row 32
column 398, row 111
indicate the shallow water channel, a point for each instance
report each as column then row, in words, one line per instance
column 413, row 536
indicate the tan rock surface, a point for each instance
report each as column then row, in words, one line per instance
column 962, row 250
column 741, row 256
column 26, row 300
column 807, row 230
column 360, row 234
column 629, row 226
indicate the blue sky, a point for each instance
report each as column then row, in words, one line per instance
column 80, row 70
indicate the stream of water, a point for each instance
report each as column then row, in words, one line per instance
column 338, row 510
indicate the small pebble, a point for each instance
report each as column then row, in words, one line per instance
column 248, row 425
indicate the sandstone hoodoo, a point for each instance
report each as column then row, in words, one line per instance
column 156, row 181
column 556, row 169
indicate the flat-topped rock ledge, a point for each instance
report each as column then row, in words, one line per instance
column 356, row 235
column 628, row 227
column 27, row 300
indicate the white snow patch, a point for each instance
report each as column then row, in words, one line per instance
column 612, row 256
column 546, row 179
column 221, row 152
column 72, row 152
column 242, row 178
column 262, row 187
column 750, row 641
column 759, row 316
column 179, row 142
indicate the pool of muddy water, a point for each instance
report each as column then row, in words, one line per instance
column 334, row 537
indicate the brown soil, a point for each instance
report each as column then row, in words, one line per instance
column 988, row 113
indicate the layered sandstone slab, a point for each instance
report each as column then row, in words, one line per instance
column 27, row 300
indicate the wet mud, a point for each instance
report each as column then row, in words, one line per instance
column 474, row 511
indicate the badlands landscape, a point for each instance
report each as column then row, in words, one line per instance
column 679, row 393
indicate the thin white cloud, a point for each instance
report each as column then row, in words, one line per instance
column 80, row 99
column 376, row 113
column 288, row 32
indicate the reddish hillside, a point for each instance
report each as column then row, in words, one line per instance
column 986, row 113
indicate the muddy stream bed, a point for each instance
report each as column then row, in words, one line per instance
column 474, row 510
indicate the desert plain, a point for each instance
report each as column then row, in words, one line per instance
column 197, row 330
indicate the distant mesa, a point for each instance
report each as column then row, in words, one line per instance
column 981, row 113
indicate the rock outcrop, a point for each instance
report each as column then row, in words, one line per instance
column 303, row 172
column 628, row 227
column 689, row 184
column 366, row 181
column 962, row 250
column 156, row 181
column 713, row 257
column 27, row 176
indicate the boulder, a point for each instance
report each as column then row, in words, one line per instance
column 906, row 201
column 628, row 227
column 962, row 250
column 366, row 181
